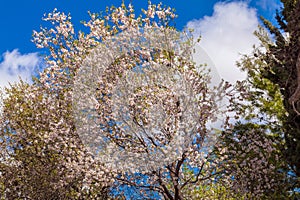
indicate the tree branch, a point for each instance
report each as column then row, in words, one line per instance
column 296, row 96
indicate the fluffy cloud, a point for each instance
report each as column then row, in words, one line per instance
column 15, row 65
column 269, row 5
column 226, row 35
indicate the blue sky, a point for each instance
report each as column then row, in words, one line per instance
column 18, row 18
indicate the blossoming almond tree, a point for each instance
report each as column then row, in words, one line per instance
column 48, row 144
column 145, row 109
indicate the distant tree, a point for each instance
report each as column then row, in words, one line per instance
column 252, row 165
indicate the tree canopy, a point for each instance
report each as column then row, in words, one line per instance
column 129, row 89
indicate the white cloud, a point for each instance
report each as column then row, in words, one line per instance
column 15, row 65
column 268, row 5
column 226, row 35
